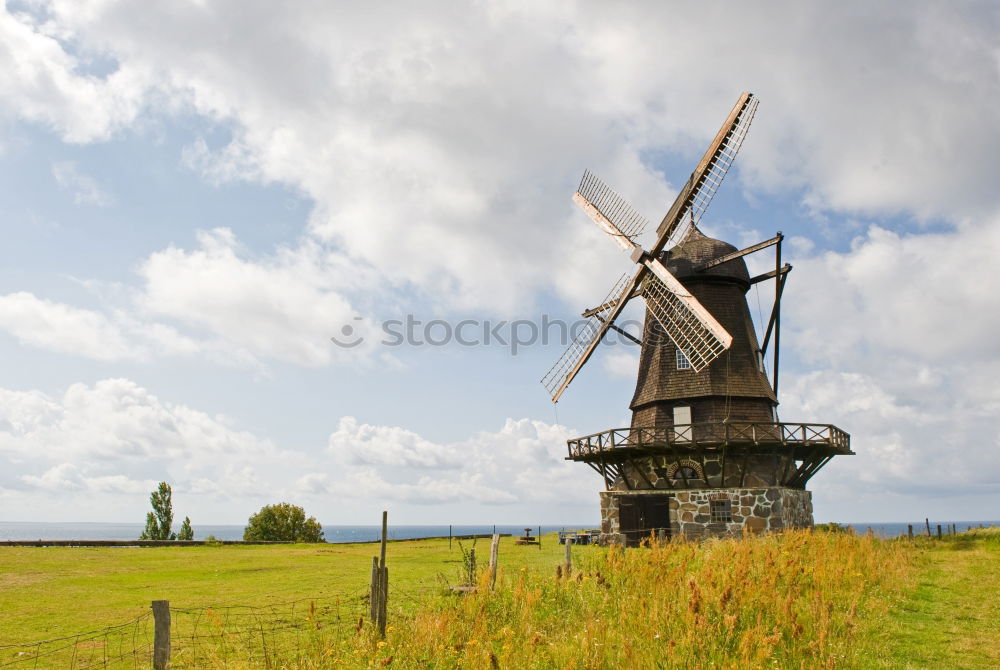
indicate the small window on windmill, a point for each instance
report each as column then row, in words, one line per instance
column 682, row 360
column 686, row 472
column 721, row 510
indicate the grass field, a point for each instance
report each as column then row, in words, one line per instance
column 790, row 600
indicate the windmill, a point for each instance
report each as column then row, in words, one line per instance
column 705, row 452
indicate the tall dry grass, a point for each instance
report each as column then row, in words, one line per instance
column 795, row 600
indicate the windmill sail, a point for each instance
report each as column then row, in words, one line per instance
column 701, row 186
column 625, row 220
column 683, row 320
column 562, row 373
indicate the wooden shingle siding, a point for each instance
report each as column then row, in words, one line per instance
column 732, row 385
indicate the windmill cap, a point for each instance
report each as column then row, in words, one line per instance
column 696, row 249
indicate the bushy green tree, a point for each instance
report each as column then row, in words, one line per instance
column 159, row 521
column 283, row 523
column 186, row 532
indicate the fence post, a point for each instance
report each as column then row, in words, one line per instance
column 494, row 556
column 472, row 566
column 449, row 536
column 539, row 538
column 939, row 531
column 383, row 601
column 383, row 590
column 928, row 523
column 568, row 557
column 909, row 530
column 161, row 634
column 374, row 596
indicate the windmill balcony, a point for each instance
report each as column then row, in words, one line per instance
column 710, row 455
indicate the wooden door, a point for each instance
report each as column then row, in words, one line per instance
column 643, row 515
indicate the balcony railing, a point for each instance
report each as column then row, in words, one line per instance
column 709, row 435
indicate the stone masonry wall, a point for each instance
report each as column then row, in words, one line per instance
column 756, row 509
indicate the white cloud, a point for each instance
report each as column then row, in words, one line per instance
column 63, row 328
column 111, row 442
column 465, row 488
column 900, row 332
column 115, row 423
column 40, row 82
column 522, row 462
column 388, row 445
column 66, row 477
column 85, row 190
column 434, row 143
column 286, row 306
column 929, row 296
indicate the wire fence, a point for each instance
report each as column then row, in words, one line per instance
column 126, row 645
column 286, row 634
column 281, row 634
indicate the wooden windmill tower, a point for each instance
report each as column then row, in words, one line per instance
column 705, row 454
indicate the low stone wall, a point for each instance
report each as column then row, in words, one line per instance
column 754, row 509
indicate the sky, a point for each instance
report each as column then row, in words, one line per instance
column 196, row 196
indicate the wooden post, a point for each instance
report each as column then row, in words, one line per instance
column 939, row 531
column 928, row 523
column 383, row 609
column 568, row 557
column 472, row 566
column 909, row 530
column 449, row 536
column 374, row 596
column 379, row 591
column 539, row 538
column 494, row 556
column 161, row 634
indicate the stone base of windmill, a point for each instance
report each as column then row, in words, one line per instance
column 627, row 517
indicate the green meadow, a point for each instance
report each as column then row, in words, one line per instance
column 798, row 599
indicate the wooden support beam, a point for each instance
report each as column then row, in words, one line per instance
column 626, row 334
column 722, row 475
column 743, row 467
column 785, row 269
column 778, row 287
column 642, row 474
column 774, row 314
column 608, row 305
column 739, row 254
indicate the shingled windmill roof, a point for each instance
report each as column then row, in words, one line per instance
column 697, row 248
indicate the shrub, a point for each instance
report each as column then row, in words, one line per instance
column 283, row 523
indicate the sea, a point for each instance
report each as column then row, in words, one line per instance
column 17, row 530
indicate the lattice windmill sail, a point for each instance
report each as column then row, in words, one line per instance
column 685, row 321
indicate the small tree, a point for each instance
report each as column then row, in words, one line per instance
column 186, row 533
column 283, row 523
column 159, row 521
